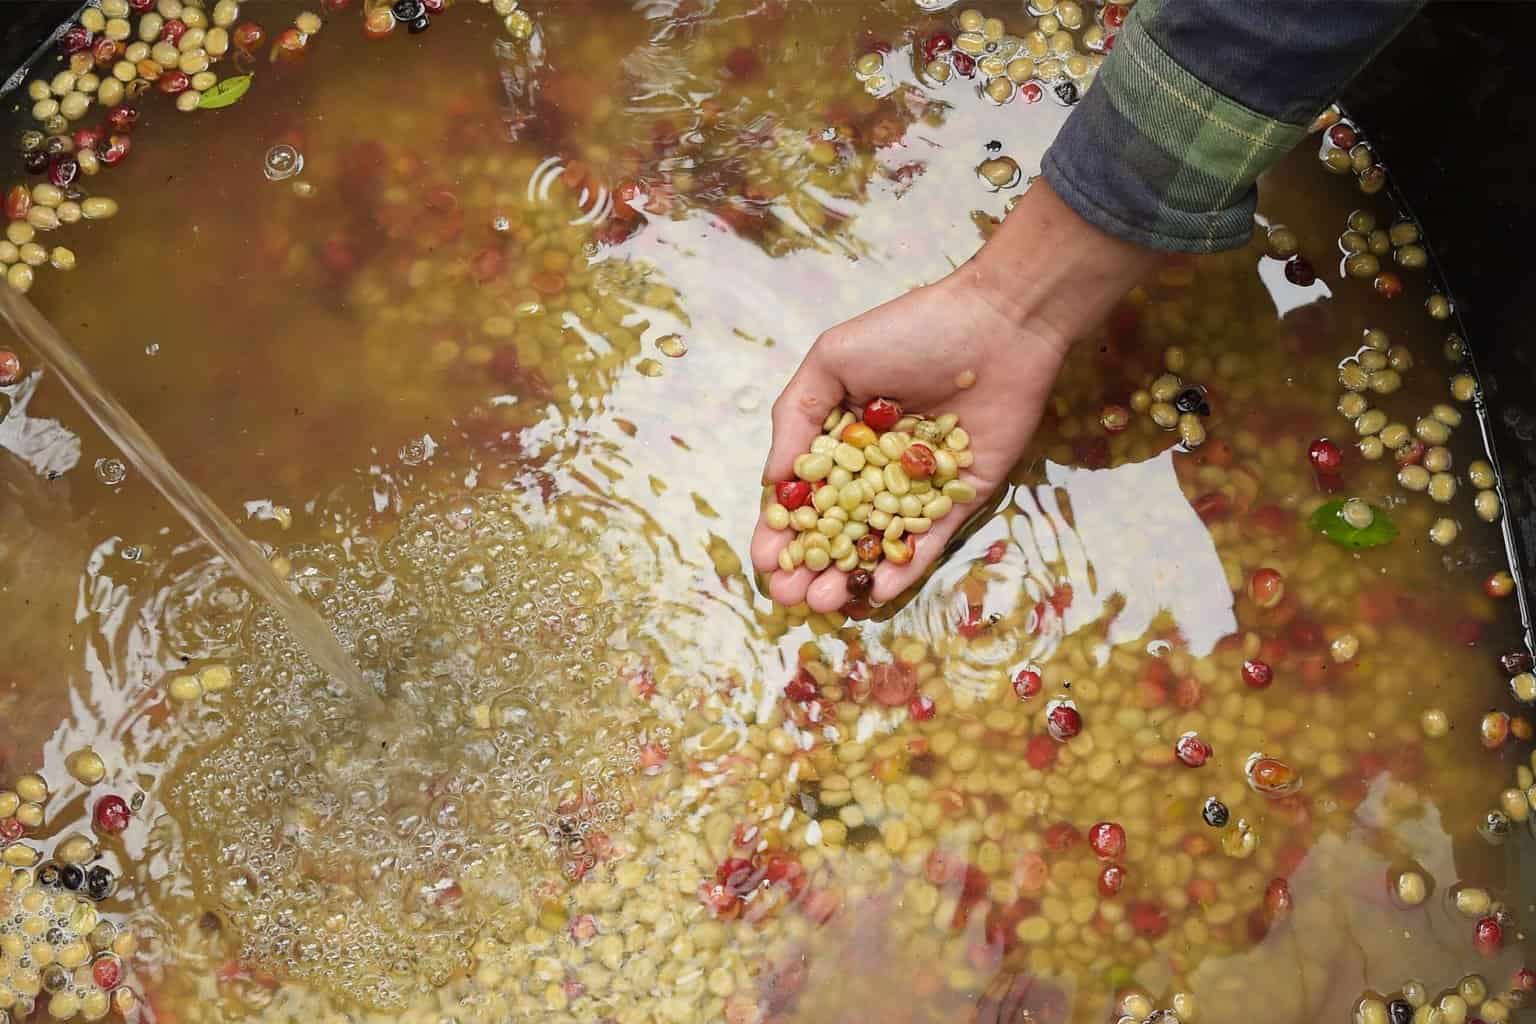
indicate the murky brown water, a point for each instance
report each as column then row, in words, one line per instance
column 504, row 432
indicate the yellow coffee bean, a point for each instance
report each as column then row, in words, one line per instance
column 849, row 457
column 1487, row 505
column 98, row 207
column 959, row 492
column 1370, row 422
column 32, row 789
column 185, row 689
column 1444, row 531
column 87, row 767
column 1020, row 70
column 19, row 855
column 1191, row 430
column 1447, row 414
column 1432, row 431
column 76, row 849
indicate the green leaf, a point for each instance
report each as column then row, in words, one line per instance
column 1120, row 976
column 1330, row 522
column 225, row 93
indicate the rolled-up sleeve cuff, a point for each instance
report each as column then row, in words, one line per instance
column 1154, row 156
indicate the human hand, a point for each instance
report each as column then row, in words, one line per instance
column 984, row 343
column 944, row 348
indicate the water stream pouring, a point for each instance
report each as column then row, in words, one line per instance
column 306, row 625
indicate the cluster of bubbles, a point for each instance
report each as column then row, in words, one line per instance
column 365, row 858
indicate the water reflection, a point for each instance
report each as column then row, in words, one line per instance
column 50, row 448
column 1134, row 535
column 624, row 416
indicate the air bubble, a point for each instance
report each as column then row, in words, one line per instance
column 748, row 399
column 111, row 471
column 471, row 574
column 496, row 638
column 282, row 161
column 416, row 451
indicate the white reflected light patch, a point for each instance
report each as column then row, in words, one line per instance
column 1283, row 294
column 1144, row 542
column 1087, row 545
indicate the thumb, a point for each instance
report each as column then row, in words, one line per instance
column 799, row 412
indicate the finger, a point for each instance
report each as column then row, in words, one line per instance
column 766, row 545
column 891, row 579
column 828, row 592
column 987, row 1008
column 788, row 588
column 1014, row 1003
column 798, row 414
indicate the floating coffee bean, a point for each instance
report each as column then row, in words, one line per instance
column 1299, row 271
column 1515, row 662
column 100, row 882
column 1192, row 400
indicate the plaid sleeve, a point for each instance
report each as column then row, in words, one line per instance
column 1166, row 157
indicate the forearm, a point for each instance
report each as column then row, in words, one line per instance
column 1053, row 272
column 984, row 343
column 1199, row 98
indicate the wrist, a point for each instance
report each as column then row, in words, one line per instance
column 1051, row 272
